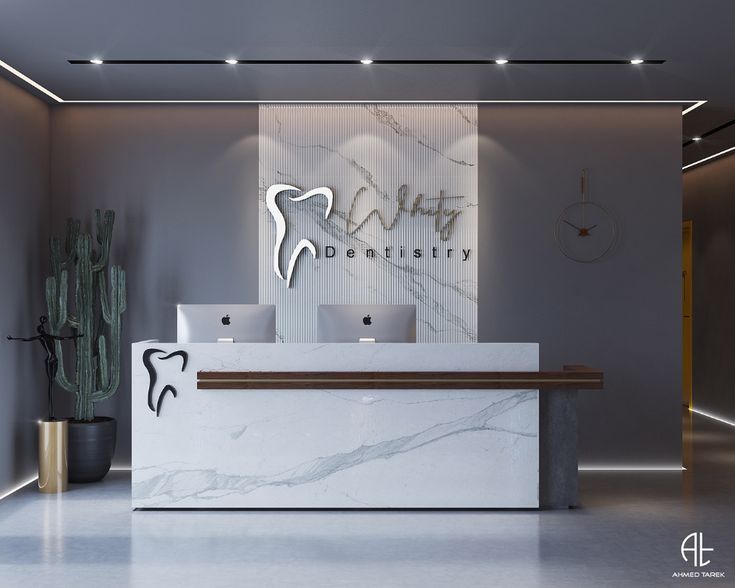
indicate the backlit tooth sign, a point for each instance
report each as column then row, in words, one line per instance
column 275, row 211
column 369, row 204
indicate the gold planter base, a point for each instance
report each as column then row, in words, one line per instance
column 52, row 456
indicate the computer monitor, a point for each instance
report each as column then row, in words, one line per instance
column 351, row 323
column 239, row 323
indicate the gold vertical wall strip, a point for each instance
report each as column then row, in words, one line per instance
column 373, row 150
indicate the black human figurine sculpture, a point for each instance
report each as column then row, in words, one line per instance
column 52, row 362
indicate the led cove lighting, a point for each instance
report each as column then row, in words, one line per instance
column 231, row 61
column 694, row 103
column 501, row 61
column 693, row 106
column 636, row 61
column 711, row 416
column 28, row 80
column 366, row 61
column 632, row 469
column 686, row 167
column 96, row 61
column 19, row 487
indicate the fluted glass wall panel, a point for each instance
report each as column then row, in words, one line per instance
column 416, row 166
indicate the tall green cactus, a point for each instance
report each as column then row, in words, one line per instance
column 97, row 373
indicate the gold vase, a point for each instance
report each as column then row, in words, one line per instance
column 52, row 456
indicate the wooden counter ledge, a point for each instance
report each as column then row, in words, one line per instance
column 572, row 377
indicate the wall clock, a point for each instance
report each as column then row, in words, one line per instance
column 585, row 231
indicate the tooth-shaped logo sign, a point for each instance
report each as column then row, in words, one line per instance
column 153, row 376
column 275, row 212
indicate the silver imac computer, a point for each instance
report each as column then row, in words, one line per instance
column 379, row 323
column 235, row 323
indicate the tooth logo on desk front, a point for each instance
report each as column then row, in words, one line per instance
column 153, row 376
column 280, row 220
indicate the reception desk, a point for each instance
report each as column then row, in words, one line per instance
column 352, row 426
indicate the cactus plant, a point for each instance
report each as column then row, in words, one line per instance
column 97, row 369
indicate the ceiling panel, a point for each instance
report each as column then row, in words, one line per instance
column 38, row 37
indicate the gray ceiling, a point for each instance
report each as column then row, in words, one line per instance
column 694, row 37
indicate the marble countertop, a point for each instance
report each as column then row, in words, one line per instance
column 359, row 356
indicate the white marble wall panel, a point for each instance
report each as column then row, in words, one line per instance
column 335, row 448
column 372, row 150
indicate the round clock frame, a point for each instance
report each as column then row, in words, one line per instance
column 571, row 215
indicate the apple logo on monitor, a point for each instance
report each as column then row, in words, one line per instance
column 366, row 320
column 226, row 319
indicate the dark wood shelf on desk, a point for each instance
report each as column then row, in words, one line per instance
column 572, row 377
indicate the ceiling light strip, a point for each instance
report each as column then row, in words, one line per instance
column 28, row 80
column 696, row 103
column 373, row 61
column 632, row 469
column 700, row 162
column 711, row 416
column 694, row 106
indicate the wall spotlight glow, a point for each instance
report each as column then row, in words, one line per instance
column 696, row 138
column 636, row 61
column 96, row 61
column 231, row 61
column 501, row 61
column 366, row 61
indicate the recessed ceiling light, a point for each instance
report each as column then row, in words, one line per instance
column 96, row 61
column 366, row 61
column 696, row 138
column 636, row 61
column 231, row 61
column 501, row 61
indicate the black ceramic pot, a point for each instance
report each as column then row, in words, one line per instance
column 91, row 446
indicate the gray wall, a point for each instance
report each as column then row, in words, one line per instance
column 709, row 201
column 183, row 180
column 24, row 198
column 621, row 314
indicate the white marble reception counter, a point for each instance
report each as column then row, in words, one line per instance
column 326, row 448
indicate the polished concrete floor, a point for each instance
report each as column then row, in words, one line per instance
column 627, row 533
